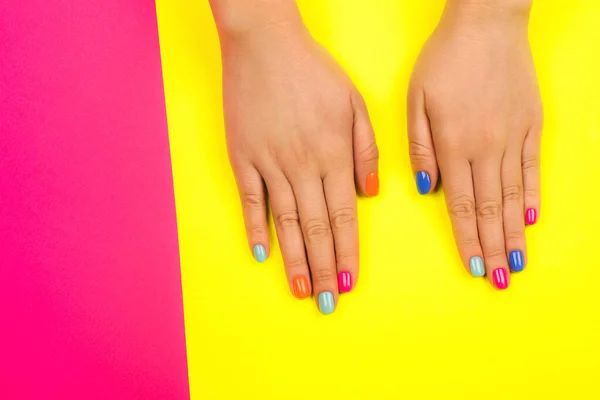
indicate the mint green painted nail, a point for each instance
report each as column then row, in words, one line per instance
column 260, row 254
column 476, row 265
column 326, row 304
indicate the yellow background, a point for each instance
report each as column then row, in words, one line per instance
column 417, row 326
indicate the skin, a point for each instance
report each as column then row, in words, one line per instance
column 474, row 114
column 299, row 131
column 299, row 135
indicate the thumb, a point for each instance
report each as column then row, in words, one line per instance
column 366, row 154
column 420, row 143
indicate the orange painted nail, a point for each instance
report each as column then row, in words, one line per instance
column 300, row 287
column 372, row 184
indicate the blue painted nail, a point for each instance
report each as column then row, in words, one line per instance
column 476, row 265
column 326, row 304
column 423, row 182
column 260, row 254
column 516, row 261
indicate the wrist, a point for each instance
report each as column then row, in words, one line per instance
column 239, row 20
column 488, row 14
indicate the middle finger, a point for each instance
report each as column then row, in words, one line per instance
column 318, row 239
column 488, row 203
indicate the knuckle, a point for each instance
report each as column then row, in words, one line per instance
column 448, row 141
column 469, row 242
column 461, row 207
column 253, row 201
column 299, row 156
column 297, row 264
column 337, row 152
column 531, row 193
column 529, row 163
column 512, row 193
column 369, row 153
column 345, row 257
column 316, row 230
column 343, row 218
column 288, row 219
column 495, row 252
column 490, row 137
column 323, row 274
column 489, row 210
column 419, row 152
column 514, row 235
column 258, row 231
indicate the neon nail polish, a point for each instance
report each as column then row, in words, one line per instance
column 517, row 264
column 500, row 278
column 372, row 184
column 423, row 182
column 300, row 287
column 344, row 282
column 531, row 216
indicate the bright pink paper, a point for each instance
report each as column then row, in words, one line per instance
column 90, row 286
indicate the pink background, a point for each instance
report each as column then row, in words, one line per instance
column 90, row 286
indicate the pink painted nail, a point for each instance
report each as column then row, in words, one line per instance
column 530, row 216
column 500, row 278
column 344, row 282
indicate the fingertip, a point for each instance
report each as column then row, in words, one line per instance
column 260, row 253
column 326, row 303
column 516, row 261
column 423, row 180
column 345, row 283
column 531, row 216
column 476, row 267
column 300, row 287
column 500, row 278
column 372, row 184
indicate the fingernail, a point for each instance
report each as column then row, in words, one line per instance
column 476, row 265
column 372, row 184
column 326, row 302
column 423, row 182
column 516, row 260
column 530, row 216
column 260, row 254
column 500, row 278
column 344, row 282
column 300, row 287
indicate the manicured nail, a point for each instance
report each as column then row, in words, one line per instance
column 516, row 260
column 423, row 182
column 530, row 216
column 260, row 254
column 300, row 287
column 344, row 282
column 372, row 184
column 326, row 304
column 500, row 278
column 476, row 265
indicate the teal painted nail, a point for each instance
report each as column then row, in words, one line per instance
column 260, row 254
column 476, row 265
column 326, row 304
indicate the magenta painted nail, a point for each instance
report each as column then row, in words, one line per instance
column 344, row 282
column 500, row 278
column 530, row 216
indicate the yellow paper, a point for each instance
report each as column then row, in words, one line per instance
column 417, row 326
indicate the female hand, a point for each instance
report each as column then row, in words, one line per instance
column 474, row 113
column 297, row 126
